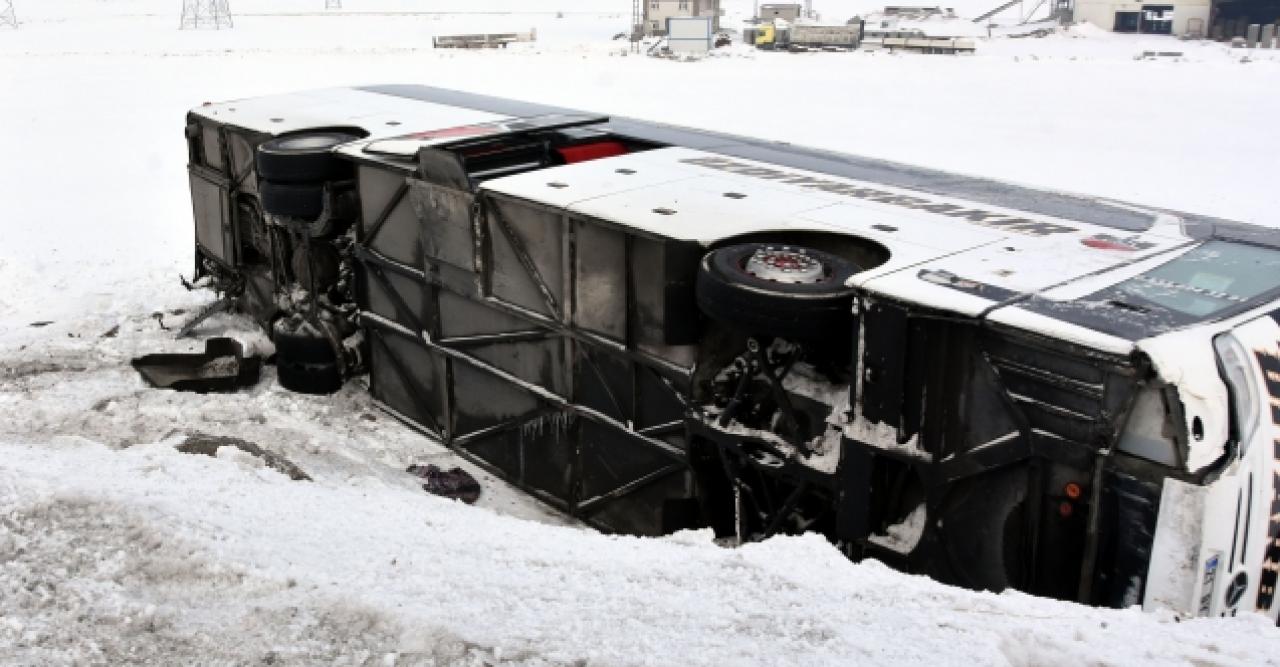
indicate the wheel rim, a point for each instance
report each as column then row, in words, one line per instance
column 312, row 142
column 785, row 265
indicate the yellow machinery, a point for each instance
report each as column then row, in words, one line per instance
column 765, row 34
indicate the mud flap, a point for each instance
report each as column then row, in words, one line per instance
column 222, row 367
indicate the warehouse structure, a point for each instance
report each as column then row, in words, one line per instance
column 789, row 12
column 1164, row 17
column 656, row 13
column 1217, row 19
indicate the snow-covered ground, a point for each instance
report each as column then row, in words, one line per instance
column 115, row 548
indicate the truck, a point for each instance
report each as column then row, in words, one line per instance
column 655, row 328
column 807, row 36
column 491, row 40
column 784, row 36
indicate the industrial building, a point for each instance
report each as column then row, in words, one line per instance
column 1218, row 19
column 1170, row 17
column 656, row 13
column 785, row 12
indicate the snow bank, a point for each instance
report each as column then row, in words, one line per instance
column 114, row 555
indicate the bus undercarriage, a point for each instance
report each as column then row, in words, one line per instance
column 648, row 384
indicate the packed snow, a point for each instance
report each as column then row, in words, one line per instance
column 117, row 548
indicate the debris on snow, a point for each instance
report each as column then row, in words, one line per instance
column 455, row 483
column 212, row 445
column 223, row 366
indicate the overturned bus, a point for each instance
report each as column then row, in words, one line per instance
column 654, row 328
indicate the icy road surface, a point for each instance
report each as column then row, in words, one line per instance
column 115, row 548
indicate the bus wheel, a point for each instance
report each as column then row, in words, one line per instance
column 304, row 157
column 777, row 290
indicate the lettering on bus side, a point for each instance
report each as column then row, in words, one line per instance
column 974, row 215
column 1270, row 574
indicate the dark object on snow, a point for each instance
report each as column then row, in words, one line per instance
column 456, row 483
column 207, row 445
column 221, row 367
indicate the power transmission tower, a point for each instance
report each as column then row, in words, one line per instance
column 7, row 16
column 214, row 14
column 637, row 24
column 333, row 4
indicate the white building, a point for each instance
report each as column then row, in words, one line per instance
column 656, row 13
column 1168, row 17
column 1217, row 19
column 789, row 12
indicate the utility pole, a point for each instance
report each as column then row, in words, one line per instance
column 7, row 15
column 198, row 14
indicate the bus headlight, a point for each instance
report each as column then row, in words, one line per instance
column 1233, row 361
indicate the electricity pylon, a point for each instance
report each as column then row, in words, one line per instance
column 214, row 14
column 7, row 16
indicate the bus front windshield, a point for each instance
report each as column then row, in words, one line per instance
column 1209, row 279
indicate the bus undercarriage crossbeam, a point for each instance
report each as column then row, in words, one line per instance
column 750, row 392
column 751, row 489
column 1011, row 524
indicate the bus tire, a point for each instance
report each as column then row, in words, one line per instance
column 777, row 290
column 304, row 157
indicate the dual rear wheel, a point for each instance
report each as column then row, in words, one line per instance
column 293, row 170
column 296, row 173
